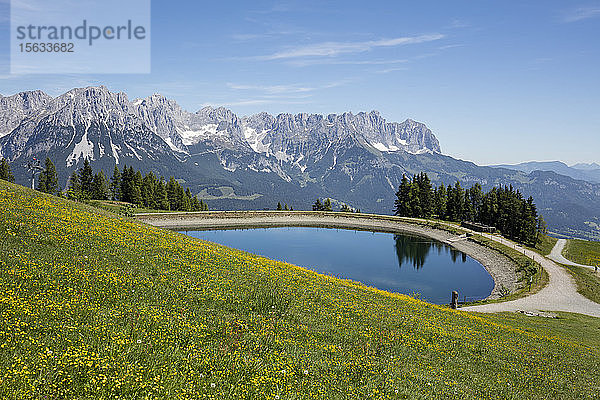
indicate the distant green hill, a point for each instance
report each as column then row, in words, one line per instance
column 96, row 306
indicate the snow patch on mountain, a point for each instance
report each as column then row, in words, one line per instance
column 420, row 151
column 190, row 136
column 133, row 151
column 83, row 149
column 255, row 140
column 169, row 142
column 383, row 147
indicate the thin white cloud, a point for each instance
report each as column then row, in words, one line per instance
column 272, row 89
column 244, row 37
column 450, row 46
column 387, row 71
column 320, row 61
column 285, row 89
column 582, row 13
column 330, row 49
column 251, row 102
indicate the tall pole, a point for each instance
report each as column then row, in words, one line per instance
column 35, row 168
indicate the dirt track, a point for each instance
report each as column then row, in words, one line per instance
column 559, row 295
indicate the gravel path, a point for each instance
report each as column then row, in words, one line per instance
column 559, row 295
column 556, row 255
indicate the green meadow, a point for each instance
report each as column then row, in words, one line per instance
column 95, row 305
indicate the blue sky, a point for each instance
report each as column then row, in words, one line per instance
column 495, row 81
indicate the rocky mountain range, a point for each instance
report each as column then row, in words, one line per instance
column 256, row 161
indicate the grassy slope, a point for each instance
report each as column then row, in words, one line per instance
column 93, row 306
column 588, row 281
column 117, row 207
column 545, row 246
column 582, row 251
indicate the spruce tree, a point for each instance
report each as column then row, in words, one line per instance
column 100, row 187
column 136, row 187
column 203, row 206
column 279, row 206
column 317, row 206
column 541, row 228
column 115, row 184
column 126, row 179
column 74, row 191
column 171, row 188
column 184, row 201
column 160, row 196
column 86, row 177
column 475, row 200
column 414, row 199
column 425, row 195
column 5, row 172
column 440, row 200
column 48, row 180
column 402, row 207
column 196, row 204
column 327, row 205
column 148, row 188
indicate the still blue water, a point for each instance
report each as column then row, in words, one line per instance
column 396, row 263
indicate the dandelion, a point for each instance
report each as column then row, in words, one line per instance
column 212, row 385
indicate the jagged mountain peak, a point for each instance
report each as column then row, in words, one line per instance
column 259, row 159
column 285, row 136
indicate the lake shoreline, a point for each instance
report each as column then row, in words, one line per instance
column 501, row 268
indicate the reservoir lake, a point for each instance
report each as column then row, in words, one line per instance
column 400, row 263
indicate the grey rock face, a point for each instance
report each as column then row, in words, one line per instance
column 14, row 109
column 287, row 138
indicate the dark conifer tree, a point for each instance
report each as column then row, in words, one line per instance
column 86, row 177
column 115, row 184
column 440, row 200
column 402, row 207
column 99, row 187
column 317, row 206
column 149, row 183
column 172, row 194
column 74, row 191
column 136, row 187
column 48, row 180
column 414, row 199
column 196, row 204
column 425, row 196
column 5, row 172
column 160, row 196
